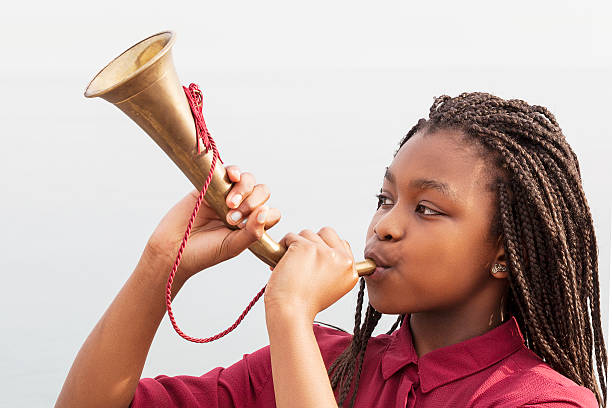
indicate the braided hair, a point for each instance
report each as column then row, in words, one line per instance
column 548, row 237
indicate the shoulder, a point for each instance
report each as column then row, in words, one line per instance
column 525, row 380
column 329, row 336
column 257, row 365
column 332, row 342
column 242, row 384
column 246, row 383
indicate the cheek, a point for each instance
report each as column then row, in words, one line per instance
column 443, row 269
column 455, row 269
column 442, row 265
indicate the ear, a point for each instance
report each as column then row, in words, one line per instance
column 500, row 258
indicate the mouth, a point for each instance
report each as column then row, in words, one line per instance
column 380, row 262
column 379, row 274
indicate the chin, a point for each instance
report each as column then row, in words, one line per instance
column 385, row 307
column 382, row 302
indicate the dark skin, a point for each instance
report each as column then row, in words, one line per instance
column 440, row 274
column 438, row 248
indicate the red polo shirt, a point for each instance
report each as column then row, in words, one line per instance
column 494, row 369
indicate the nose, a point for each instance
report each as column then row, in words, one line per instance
column 384, row 236
column 388, row 227
column 387, row 237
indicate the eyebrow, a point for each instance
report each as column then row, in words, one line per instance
column 425, row 184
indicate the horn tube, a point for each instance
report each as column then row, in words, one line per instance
column 142, row 82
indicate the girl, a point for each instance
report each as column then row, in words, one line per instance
column 485, row 249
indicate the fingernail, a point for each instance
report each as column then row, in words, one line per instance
column 236, row 200
column 261, row 217
column 235, row 216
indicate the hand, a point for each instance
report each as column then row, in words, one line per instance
column 316, row 271
column 210, row 241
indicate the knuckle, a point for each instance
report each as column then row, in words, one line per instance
column 289, row 239
column 347, row 262
column 310, row 247
column 254, row 233
column 326, row 252
column 248, row 177
column 326, row 229
column 262, row 188
column 255, row 198
column 258, row 233
column 292, row 247
column 274, row 215
column 245, row 206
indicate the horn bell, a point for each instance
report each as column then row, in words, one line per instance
column 142, row 82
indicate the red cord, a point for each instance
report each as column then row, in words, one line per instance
column 194, row 96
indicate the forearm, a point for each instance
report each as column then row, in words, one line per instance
column 107, row 368
column 298, row 371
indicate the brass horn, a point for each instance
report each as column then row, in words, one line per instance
column 142, row 82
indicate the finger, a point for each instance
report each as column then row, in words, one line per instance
column 350, row 253
column 330, row 237
column 257, row 197
column 311, row 236
column 290, row 239
column 274, row 216
column 240, row 190
column 348, row 247
column 251, row 229
column 233, row 172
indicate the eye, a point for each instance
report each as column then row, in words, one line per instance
column 427, row 209
column 381, row 199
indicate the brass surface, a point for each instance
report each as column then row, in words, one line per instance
column 142, row 82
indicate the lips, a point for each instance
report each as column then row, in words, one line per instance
column 378, row 259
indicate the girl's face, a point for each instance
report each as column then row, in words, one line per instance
column 433, row 237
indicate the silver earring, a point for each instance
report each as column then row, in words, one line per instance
column 497, row 268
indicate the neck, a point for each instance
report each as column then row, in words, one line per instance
column 432, row 330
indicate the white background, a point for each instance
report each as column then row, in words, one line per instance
column 311, row 97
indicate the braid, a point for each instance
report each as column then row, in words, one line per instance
column 547, row 227
column 372, row 318
column 342, row 370
column 548, row 237
column 399, row 320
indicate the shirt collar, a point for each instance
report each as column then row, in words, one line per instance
column 450, row 363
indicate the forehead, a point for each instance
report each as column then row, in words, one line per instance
column 441, row 161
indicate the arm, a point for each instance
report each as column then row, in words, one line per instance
column 106, row 370
column 555, row 395
column 316, row 271
column 299, row 374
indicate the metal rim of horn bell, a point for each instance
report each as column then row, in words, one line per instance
column 142, row 82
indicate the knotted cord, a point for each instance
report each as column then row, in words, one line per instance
column 203, row 139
